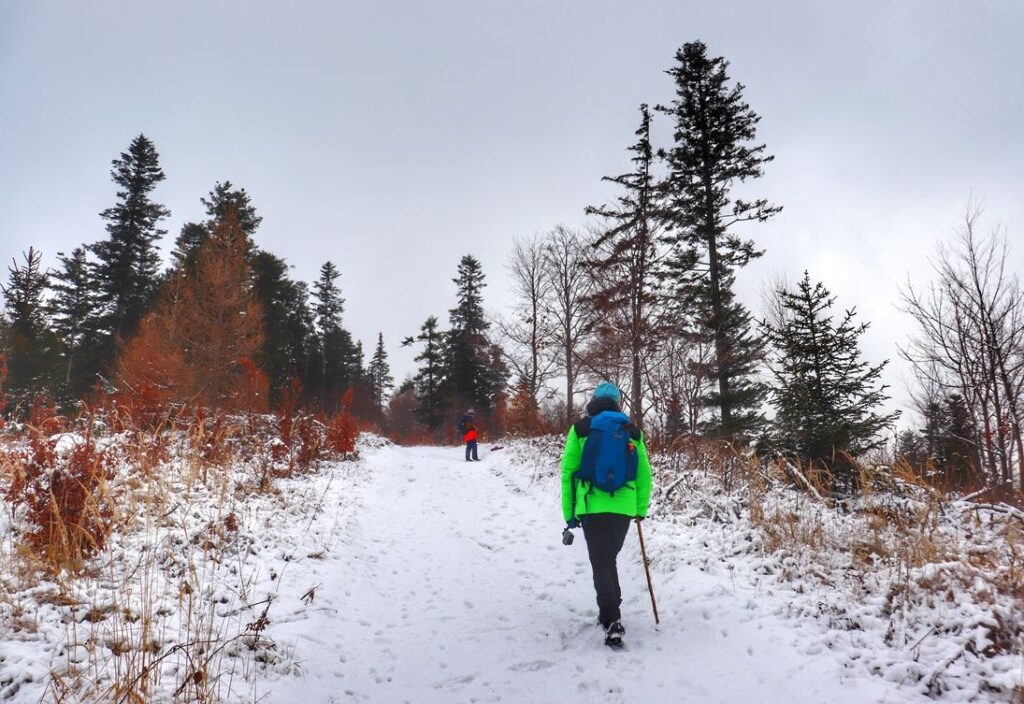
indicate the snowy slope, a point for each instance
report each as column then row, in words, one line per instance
column 450, row 584
column 409, row 575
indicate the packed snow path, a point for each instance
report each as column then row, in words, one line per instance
column 448, row 583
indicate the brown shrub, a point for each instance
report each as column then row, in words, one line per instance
column 64, row 495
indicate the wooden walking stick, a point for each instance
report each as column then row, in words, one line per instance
column 647, row 570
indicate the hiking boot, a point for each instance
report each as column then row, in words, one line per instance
column 613, row 634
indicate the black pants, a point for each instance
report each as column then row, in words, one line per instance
column 471, row 447
column 605, row 533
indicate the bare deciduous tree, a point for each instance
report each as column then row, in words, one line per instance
column 527, row 333
column 970, row 341
column 570, row 314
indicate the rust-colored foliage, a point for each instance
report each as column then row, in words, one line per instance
column 305, row 438
column 62, row 490
column 342, row 428
column 404, row 426
column 522, row 417
column 198, row 344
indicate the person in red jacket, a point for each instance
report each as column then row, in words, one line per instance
column 469, row 434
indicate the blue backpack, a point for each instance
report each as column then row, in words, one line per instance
column 609, row 460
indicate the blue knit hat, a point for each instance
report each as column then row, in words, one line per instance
column 607, row 389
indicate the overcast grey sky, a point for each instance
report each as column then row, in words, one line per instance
column 392, row 138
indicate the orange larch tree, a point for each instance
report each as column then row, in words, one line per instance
column 199, row 343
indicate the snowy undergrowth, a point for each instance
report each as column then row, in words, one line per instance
column 898, row 584
column 178, row 602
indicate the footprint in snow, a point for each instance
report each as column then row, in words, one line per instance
column 532, row 666
column 454, row 681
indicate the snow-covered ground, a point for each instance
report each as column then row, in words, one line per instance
column 451, row 584
column 410, row 575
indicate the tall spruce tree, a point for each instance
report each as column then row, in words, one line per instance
column 337, row 363
column 470, row 377
column 29, row 346
column 713, row 150
column 128, row 263
column 381, row 381
column 627, row 295
column 430, row 377
column 289, row 342
column 74, row 312
column 825, row 396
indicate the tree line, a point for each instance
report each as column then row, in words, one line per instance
column 643, row 295
column 224, row 326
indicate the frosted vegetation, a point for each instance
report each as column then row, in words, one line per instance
column 215, row 568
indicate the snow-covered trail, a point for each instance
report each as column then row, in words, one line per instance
column 450, row 584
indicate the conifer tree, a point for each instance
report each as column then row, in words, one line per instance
column 825, row 397
column 337, row 361
column 713, row 150
column 202, row 341
column 28, row 343
column 430, row 377
column 381, row 381
column 911, row 448
column 220, row 199
column 74, row 311
column 128, row 263
column 470, row 377
column 958, row 446
column 627, row 295
column 187, row 244
column 289, row 344
column 225, row 197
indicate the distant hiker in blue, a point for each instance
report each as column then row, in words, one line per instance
column 467, row 427
column 606, row 482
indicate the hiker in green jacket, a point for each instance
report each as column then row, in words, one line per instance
column 604, row 500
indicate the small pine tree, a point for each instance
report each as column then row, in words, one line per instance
column 958, row 446
column 429, row 379
column 912, row 448
column 825, row 396
column 29, row 345
column 74, row 310
column 675, row 419
column 128, row 264
column 712, row 152
column 381, row 381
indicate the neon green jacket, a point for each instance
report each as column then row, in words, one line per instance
column 629, row 500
